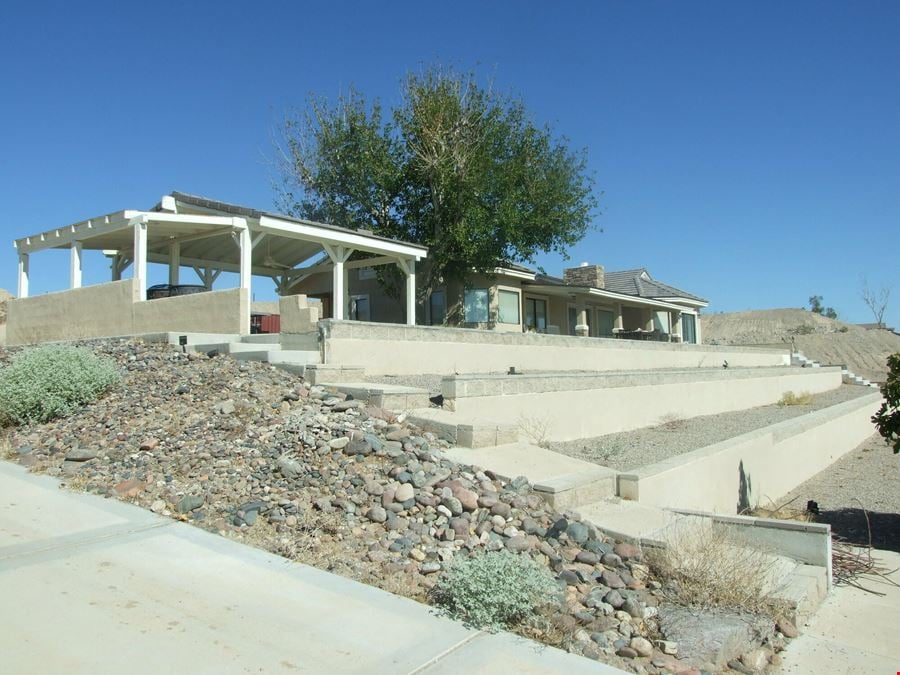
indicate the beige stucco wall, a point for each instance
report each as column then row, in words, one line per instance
column 382, row 308
column 772, row 461
column 211, row 312
column 114, row 308
column 398, row 350
column 569, row 414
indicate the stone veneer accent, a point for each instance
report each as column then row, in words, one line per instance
column 588, row 275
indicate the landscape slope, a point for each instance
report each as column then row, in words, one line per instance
column 825, row 340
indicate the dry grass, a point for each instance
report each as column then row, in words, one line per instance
column 6, row 449
column 671, row 421
column 790, row 398
column 708, row 565
column 536, row 428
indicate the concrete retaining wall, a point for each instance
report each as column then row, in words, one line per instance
column 114, row 309
column 756, row 467
column 567, row 407
column 396, row 349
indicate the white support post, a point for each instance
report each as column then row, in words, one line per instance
column 697, row 328
column 174, row 263
column 75, row 265
column 408, row 266
column 338, row 255
column 22, row 289
column 581, row 328
column 246, row 257
column 619, row 324
column 140, row 258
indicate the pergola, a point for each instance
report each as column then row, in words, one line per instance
column 211, row 237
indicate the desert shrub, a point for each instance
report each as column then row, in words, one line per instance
column 51, row 381
column 803, row 329
column 887, row 419
column 493, row 590
column 790, row 398
column 708, row 566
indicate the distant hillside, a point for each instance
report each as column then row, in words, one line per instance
column 822, row 339
column 4, row 296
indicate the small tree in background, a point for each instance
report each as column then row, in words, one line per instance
column 816, row 307
column 876, row 301
column 887, row 419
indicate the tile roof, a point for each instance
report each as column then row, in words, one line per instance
column 639, row 282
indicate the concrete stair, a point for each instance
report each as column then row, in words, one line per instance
column 317, row 373
column 394, row 397
column 847, row 375
column 462, row 430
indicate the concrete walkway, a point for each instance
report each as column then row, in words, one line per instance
column 853, row 632
column 90, row 585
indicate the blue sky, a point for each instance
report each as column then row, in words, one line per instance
column 747, row 152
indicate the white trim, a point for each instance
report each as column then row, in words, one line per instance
column 516, row 274
column 624, row 298
column 22, row 286
column 322, row 235
column 685, row 301
column 76, row 265
column 140, row 257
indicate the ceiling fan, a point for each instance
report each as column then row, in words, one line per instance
column 270, row 261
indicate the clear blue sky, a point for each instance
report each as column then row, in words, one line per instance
column 748, row 152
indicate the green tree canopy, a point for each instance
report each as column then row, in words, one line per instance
column 455, row 167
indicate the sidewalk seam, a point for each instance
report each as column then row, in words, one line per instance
column 446, row 652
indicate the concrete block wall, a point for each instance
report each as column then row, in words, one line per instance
column 755, row 467
column 603, row 405
column 391, row 349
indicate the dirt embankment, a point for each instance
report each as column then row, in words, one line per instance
column 825, row 340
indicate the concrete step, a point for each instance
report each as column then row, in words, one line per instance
column 316, row 373
column 563, row 481
column 262, row 338
column 463, row 430
column 234, row 347
column 631, row 521
column 802, row 591
column 389, row 396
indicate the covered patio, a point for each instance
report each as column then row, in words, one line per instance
column 211, row 237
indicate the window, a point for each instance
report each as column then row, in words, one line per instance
column 535, row 314
column 688, row 328
column 605, row 322
column 359, row 308
column 438, row 305
column 508, row 302
column 476, row 305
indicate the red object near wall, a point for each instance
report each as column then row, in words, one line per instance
column 270, row 324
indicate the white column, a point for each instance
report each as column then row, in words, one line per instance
column 619, row 323
column 339, row 256
column 697, row 328
column 582, row 328
column 246, row 253
column 174, row 263
column 408, row 267
column 75, row 265
column 22, row 289
column 140, row 258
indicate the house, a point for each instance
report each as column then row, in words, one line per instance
column 586, row 301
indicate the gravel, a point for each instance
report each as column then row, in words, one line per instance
column 631, row 449
column 864, row 479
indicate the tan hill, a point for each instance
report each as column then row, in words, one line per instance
column 4, row 296
column 822, row 339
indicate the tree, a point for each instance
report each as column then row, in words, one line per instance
column 877, row 302
column 815, row 306
column 455, row 167
column 887, row 419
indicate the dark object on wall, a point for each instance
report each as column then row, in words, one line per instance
column 186, row 289
column 159, row 291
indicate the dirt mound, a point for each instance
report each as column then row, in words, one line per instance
column 825, row 340
column 4, row 296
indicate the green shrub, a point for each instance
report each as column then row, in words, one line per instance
column 493, row 590
column 887, row 419
column 52, row 381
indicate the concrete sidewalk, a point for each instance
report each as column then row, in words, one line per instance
column 90, row 585
column 853, row 632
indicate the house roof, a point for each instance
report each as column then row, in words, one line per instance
column 639, row 282
column 248, row 212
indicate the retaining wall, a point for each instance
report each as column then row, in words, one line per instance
column 566, row 406
column 396, row 349
column 115, row 308
column 754, row 468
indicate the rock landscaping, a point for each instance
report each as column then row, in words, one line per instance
column 257, row 454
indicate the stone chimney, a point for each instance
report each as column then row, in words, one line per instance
column 585, row 275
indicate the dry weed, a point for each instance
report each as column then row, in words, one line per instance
column 707, row 565
column 790, row 398
column 536, row 428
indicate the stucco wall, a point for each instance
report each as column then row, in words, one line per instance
column 395, row 349
column 113, row 309
column 756, row 467
column 596, row 407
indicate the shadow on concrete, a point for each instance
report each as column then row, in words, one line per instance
column 744, row 489
column 850, row 525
